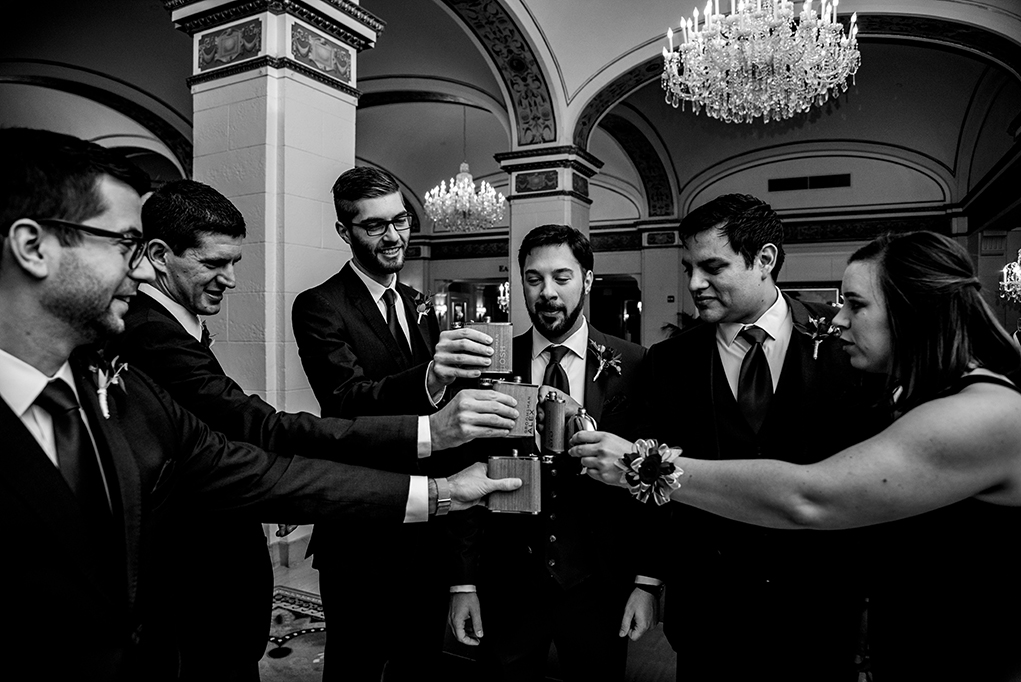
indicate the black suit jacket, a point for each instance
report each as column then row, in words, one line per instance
column 159, row 459
column 356, row 368
column 155, row 342
column 595, row 525
column 821, row 405
column 352, row 361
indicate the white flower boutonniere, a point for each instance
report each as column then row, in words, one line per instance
column 819, row 329
column 108, row 374
column 609, row 359
column 424, row 303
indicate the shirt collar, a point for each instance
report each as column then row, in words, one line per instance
column 576, row 342
column 376, row 290
column 22, row 383
column 189, row 320
column 770, row 321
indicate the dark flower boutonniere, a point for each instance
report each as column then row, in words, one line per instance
column 108, row 374
column 650, row 471
column 609, row 359
column 818, row 329
column 424, row 303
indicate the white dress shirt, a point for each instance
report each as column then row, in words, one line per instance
column 778, row 325
column 189, row 320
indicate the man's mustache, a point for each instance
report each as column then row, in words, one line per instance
column 541, row 307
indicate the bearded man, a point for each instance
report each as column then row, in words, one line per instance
column 573, row 575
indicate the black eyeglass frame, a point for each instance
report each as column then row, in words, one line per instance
column 137, row 243
column 379, row 228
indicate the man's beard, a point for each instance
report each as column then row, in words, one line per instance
column 79, row 301
column 557, row 328
column 366, row 255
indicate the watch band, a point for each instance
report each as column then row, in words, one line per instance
column 442, row 496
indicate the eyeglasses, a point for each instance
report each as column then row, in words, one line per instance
column 128, row 241
column 375, row 228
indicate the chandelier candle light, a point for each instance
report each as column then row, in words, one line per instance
column 461, row 208
column 758, row 61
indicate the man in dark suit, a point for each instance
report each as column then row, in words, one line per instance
column 96, row 454
column 755, row 379
column 194, row 237
column 371, row 346
column 568, row 575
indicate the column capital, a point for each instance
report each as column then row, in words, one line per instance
column 549, row 171
column 316, row 38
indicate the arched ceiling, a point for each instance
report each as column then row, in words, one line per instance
column 938, row 90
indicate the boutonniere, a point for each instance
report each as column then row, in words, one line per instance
column 424, row 303
column 818, row 329
column 609, row 359
column 108, row 374
column 649, row 471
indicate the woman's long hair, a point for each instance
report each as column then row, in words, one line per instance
column 940, row 325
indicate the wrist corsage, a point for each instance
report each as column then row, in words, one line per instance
column 108, row 374
column 424, row 303
column 819, row 329
column 650, row 470
column 609, row 359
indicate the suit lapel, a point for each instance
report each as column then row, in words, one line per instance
column 421, row 344
column 358, row 296
column 595, row 391
column 119, row 467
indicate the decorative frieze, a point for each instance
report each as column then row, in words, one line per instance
column 229, row 45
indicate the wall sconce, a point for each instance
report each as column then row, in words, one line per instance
column 503, row 297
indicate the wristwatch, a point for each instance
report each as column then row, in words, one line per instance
column 442, row 496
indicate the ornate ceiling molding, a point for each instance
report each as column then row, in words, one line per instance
column 612, row 94
column 643, row 155
column 500, row 36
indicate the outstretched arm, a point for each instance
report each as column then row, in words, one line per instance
column 965, row 445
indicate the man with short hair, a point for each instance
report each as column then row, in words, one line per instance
column 573, row 575
column 758, row 379
column 371, row 345
column 194, row 238
column 95, row 453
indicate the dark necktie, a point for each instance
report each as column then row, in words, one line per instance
column 755, row 383
column 207, row 338
column 395, row 326
column 75, row 454
column 555, row 375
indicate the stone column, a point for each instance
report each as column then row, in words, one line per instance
column 548, row 185
column 274, row 125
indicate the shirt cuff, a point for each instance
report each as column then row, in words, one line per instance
column 434, row 398
column 646, row 580
column 425, row 437
column 462, row 588
column 417, row 510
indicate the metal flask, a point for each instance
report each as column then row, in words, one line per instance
column 582, row 421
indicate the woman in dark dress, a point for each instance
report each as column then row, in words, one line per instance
column 941, row 485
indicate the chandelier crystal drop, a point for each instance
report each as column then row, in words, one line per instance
column 462, row 208
column 759, row 61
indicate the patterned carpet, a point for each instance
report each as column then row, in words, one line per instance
column 297, row 637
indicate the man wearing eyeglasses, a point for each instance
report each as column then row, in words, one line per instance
column 368, row 351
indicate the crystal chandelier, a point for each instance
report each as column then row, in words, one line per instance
column 462, row 208
column 760, row 61
column 1010, row 282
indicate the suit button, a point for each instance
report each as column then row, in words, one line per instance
column 553, row 538
column 136, row 636
column 529, row 549
column 553, row 472
column 552, row 517
column 553, row 495
column 552, row 563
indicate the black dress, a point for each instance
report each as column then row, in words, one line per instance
column 946, row 597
